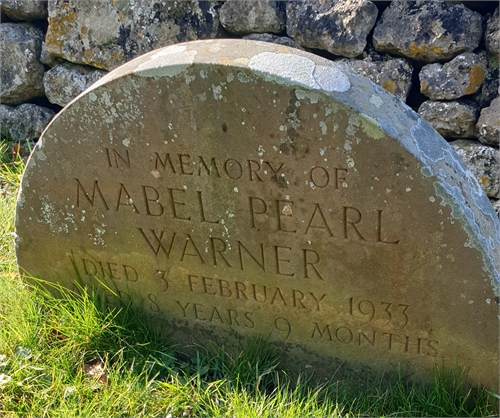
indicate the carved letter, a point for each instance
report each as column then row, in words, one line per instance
column 275, row 171
column 261, row 263
column 220, row 250
column 183, row 307
column 325, row 179
column 318, row 301
column 147, row 199
column 278, row 259
column 340, row 177
column 231, row 163
column 185, row 164
column 207, row 286
column 379, row 230
column 86, row 195
column 117, row 157
column 159, row 161
column 213, row 167
column 195, row 254
column 278, row 295
column 286, row 212
column 203, row 219
column 128, row 199
column 308, row 263
column 157, row 239
column 317, row 209
column 321, row 333
column 362, row 334
column 352, row 223
column 174, row 203
column 253, row 211
column 298, row 300
column 255, row 171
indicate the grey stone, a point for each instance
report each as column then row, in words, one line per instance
column 337, row 26
column 21, row 72
column 483, row 162
column 462, row 76
column 427, row 30
column 106, row 34
column 234, row 189
column 455, row 119
column 253, row 16
column 394, row 75
column 24, row 9
column 488, row 124
column 490, row 88
column 268, row 37
column 48, row 59
column 492, row 36
column 496, row 206
column 66, row 81
column 25, row 122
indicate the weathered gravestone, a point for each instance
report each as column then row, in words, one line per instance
column 241, row 188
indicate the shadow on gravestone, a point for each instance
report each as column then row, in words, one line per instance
column 237, row 188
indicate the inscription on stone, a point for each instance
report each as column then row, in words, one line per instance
column 243, row 188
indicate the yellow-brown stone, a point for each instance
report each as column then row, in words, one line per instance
column 236, row 188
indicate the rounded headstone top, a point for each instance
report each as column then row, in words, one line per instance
column 241, row 186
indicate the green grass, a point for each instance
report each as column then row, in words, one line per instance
column 73, row 356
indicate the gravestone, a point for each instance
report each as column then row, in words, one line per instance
column 237, row 188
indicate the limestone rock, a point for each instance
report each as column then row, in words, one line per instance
column 268, row 37
column 483, row 162
column 462, row 76
column 490, row 89
column 24, row 9
column 455, row 119
column 25, row 122
column 496, row 205
column 66, row 81
column 394, row 75
column 427, row 30
column 338, row 26
column 253, row 16
column 48, row 59
column 107, row 34
column 488, row 125
column 21, row 71
column 492, row 36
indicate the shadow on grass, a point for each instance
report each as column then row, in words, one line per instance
column 83, row 334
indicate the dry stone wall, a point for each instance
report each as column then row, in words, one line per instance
column 441, row 57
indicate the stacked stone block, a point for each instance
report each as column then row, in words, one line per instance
column 441, row 57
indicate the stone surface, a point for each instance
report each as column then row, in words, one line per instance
column 48, row 59
column 462, row 76
column 488, row 124
column 490, row 89
column 253, row 16
column 394, row 75
column 25, row 9
column 269, row 37
column 237, row 188
column 427, row 30
column 66, row 81
column 492, row 36
column 455, row 119
column 338, row 26
column 483, row 162
column 21, row 72
column 25, row 122
column 106, row 34
column 496, row 206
